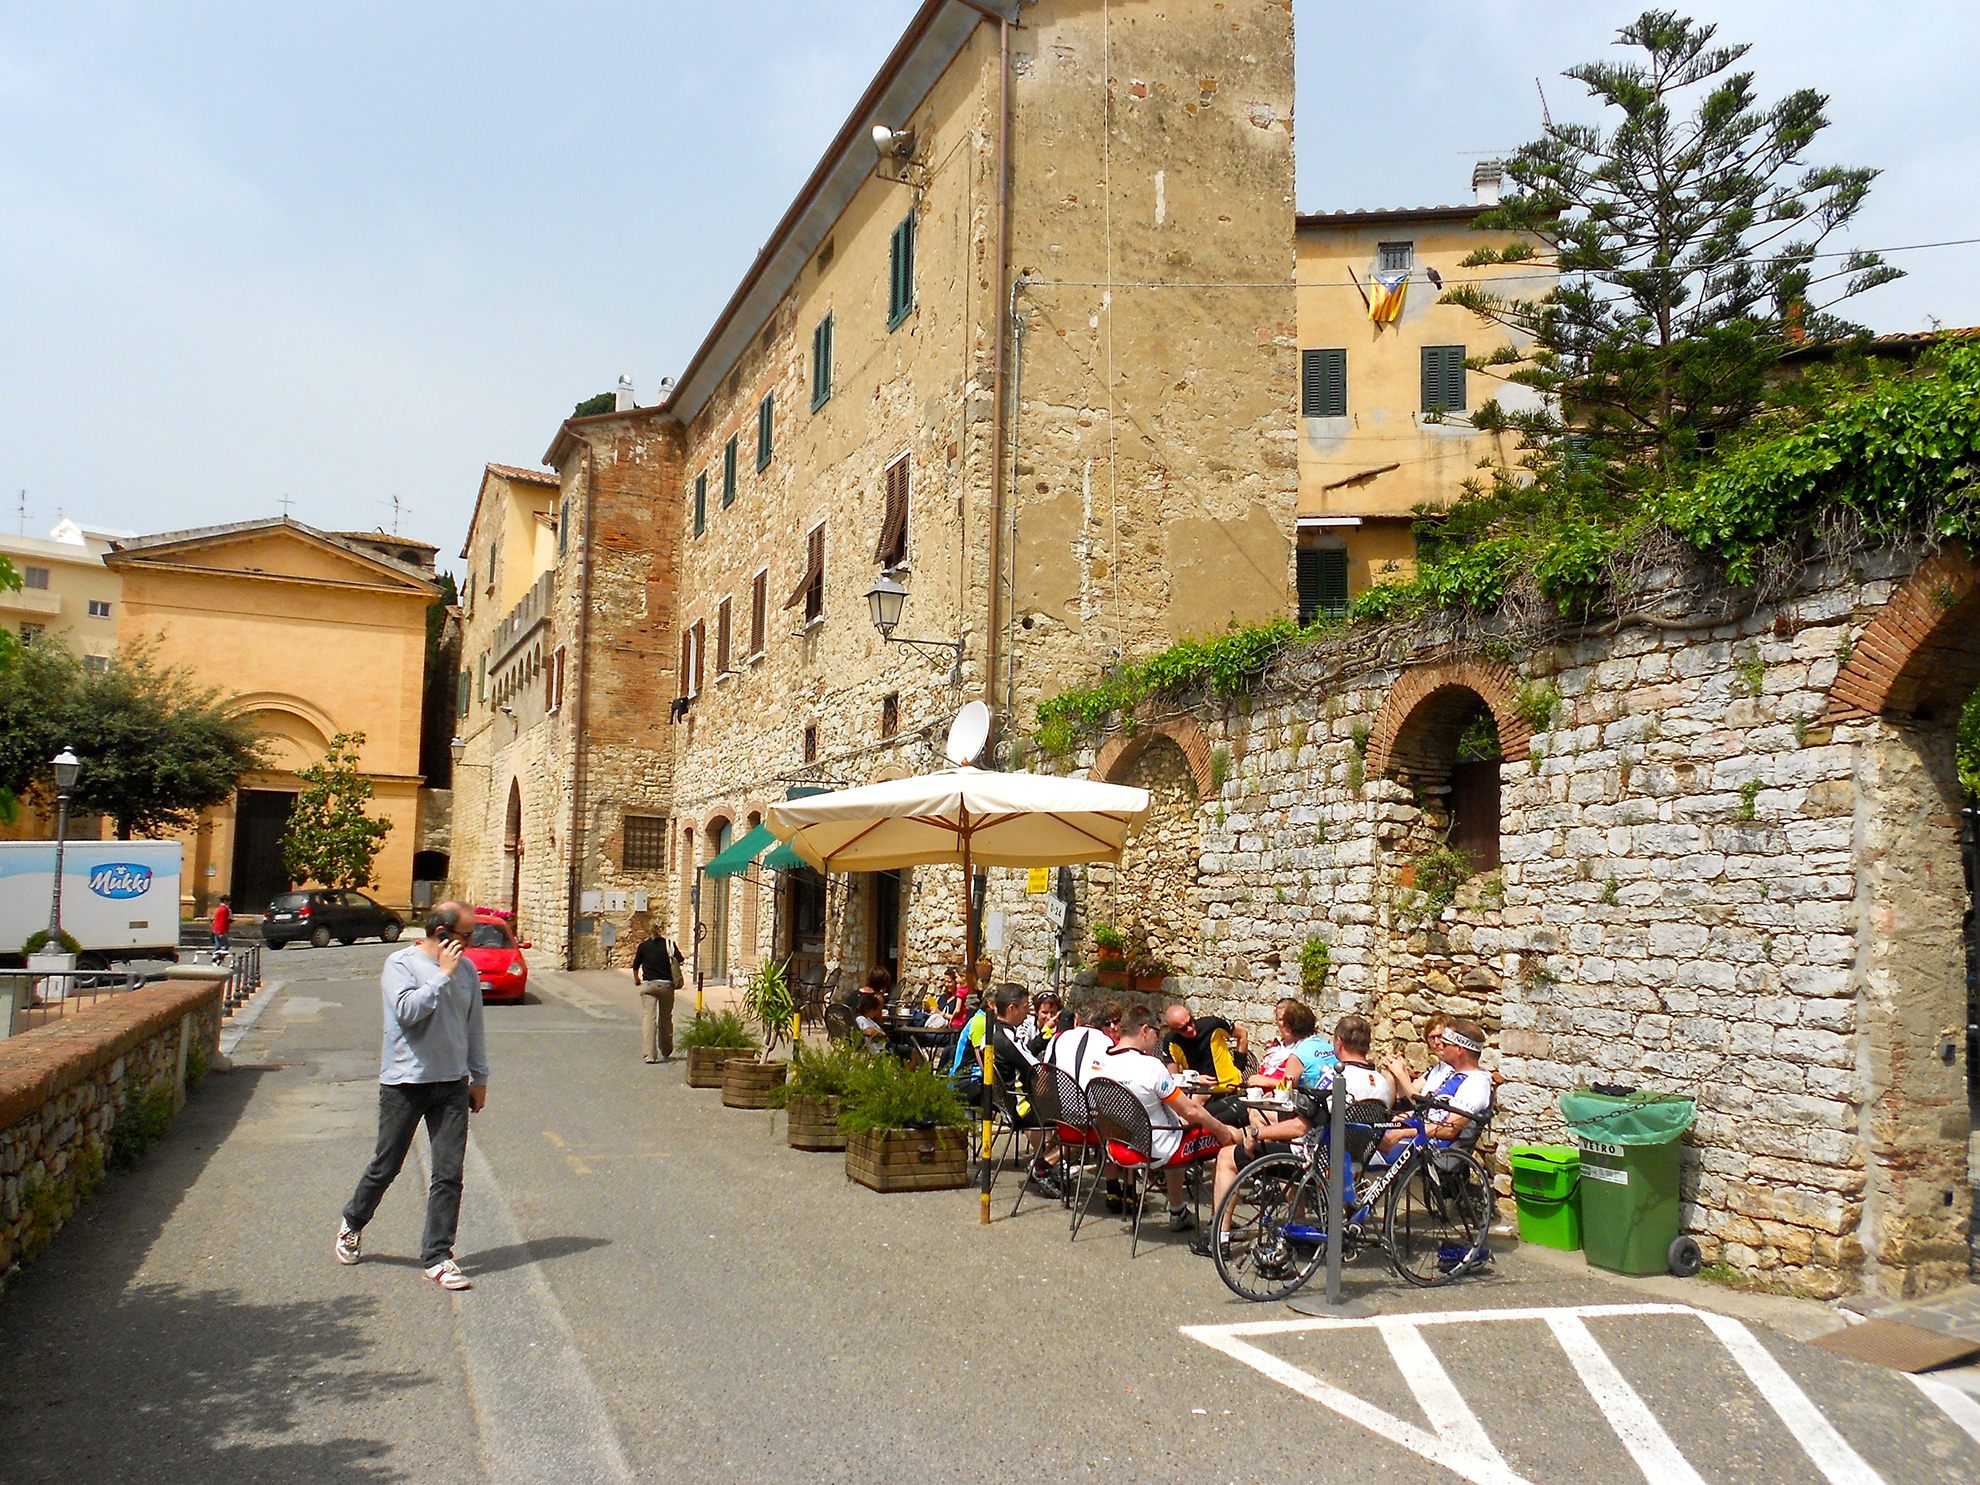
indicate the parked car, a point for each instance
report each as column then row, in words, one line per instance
column 322, row 916
column 495, row 954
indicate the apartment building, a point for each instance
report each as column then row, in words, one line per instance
column 66, row 595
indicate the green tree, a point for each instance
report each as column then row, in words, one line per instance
column 1690, row 254
column 331, row 839
column 157, row 748
column 10, row 582
column 604, row 402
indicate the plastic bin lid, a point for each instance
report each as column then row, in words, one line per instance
column 1642, row 1118
column 1543, row 1157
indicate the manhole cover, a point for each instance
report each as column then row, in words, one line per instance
column 1905, row 1348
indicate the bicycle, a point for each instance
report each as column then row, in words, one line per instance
column 1269, row 1235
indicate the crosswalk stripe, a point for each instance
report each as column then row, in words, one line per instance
column 1448, row 1412
column 1641, row 1434
column 1956, row 1405
column 1818, row 1438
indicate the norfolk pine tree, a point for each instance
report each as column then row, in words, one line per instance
column 330, row 838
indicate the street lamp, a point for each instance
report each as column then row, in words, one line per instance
column 67, row 765
column 884, row 601
column 458, row 748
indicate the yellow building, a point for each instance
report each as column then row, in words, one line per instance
column 1385, row 397
column 66, row 594
column 310, row 635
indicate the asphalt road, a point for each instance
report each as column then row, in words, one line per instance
column 666, row 1291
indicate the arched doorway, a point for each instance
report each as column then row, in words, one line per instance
column 1446, row 731
column 1151, row 896
column 512, row 851
column 715, row 903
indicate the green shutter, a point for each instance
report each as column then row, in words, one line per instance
column 1323, row 384
column 763, row 418
column 900, row 274
column 701, row 502
column 1323, row 583
column 1309, row 581
column 1443, row 378
column 729, row 472
column 821, row 364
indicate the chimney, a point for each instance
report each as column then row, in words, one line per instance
column 666, row 389
column 1486, row 178
column 625, row 399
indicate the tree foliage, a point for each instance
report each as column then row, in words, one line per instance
column 1688, row 239
column 604, row 402
column 330, row 838
column 10, row 581
column 157, row 748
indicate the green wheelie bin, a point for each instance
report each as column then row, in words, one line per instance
column 1630, row 1149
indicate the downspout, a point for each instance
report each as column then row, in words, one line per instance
column 574, row 885
column 999, row 299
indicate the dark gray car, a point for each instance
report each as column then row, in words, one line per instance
column 323, row 917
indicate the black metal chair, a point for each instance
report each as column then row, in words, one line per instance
column 1124, row 1124
column 1077, row 1131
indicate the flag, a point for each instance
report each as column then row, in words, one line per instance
column 1386, row 302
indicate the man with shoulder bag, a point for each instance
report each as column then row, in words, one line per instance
column 657, row 966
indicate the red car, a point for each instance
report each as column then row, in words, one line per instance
column 496, row 955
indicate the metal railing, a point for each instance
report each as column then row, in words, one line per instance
column 35, row 998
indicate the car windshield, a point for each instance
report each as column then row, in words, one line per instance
column 489, row 936
column 288, row 902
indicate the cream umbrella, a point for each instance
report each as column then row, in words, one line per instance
column 967, row 816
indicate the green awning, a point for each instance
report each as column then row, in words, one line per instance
column 739, row 856
column 785, row 859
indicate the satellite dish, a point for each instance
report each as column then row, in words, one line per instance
column 968, row 733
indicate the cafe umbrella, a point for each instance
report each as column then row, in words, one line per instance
column 966, row 816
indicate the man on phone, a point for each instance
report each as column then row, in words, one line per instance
column 434, row 1071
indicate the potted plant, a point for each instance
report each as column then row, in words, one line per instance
column 905, row 1129
column 710, row 1040
column 813, row 1091
column 1110, row 956
column 769, row 1006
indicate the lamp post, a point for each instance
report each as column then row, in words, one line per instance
column 67, row 765
column 884, row 601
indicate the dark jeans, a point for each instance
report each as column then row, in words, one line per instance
column 401, row 1108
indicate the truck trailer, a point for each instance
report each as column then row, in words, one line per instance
column 120, row 898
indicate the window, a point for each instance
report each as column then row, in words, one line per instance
column 1443, row 378
column 494, row 555
column 32, row 632
column 821, row 364
column 892, row 548
column 556, row 688
column 758, row 602
column 701, row 502
column 564, row 527
column 1395, row 257
column 700, row 632
column 481, row 678
column 690, row 676
column 810, row 742
column 646, row 843
column 466, row 694
column 99, row 608
column 1323, row 583
column 722, row 638
column 900, row 279
column 96, row 664
column 810, row 590
column 729, row 472
column 34, row 577
column 764, row 416
column 1323, row 384
column 890, row 714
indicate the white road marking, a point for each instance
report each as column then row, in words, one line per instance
column 538, row 1413
column 1633, row 1423
column 1460, row 1443
column 1818, row 1438
column 1955, row 1404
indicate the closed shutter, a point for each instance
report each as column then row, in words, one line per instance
column 700, row 647
column 821, row 364
column 1323, row 384
column 722, row 638
column 701, row 502
column 729, row 472
column 758, row 601
column 686, row 673
column 1323, row 583
column 892, row 547
column 1443, row 378
column 900, row 277
column 763, row 419
column 1308, row 570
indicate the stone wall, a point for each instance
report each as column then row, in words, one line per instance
column 63, row 1085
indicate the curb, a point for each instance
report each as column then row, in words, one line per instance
column 242, row 1021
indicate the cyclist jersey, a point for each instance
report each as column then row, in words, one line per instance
column 1315, row 1055
column 970, row 1044
column 1364, row 1083
column 1079, row 1052
column 1468, row 1092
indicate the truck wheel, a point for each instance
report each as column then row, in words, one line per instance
column 1684, row 1257
column 95, row 963
column 319, row 938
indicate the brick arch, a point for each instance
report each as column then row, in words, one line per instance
column 1916, row 658
column 1415, row 732
column 1118, row 753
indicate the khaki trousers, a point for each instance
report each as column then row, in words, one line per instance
column 656, row 1019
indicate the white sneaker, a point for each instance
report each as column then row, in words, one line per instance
column 447, row 1274
column 348, row 1243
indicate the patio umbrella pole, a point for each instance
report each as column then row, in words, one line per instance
column 989, row 1050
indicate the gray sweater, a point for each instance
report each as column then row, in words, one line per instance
column 433, row 1030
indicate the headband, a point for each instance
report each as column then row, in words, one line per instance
column 1458, row 1039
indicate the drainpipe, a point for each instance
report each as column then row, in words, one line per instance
column 574, row 885
column 1000, row 295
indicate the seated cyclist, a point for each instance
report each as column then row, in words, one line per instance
column 1455, row 1078
column 1300, row 1057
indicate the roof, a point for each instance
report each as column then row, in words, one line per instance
column 387, row 538
column 1897, row 343
column 1368, row 216
column 195, row 536
column 523, row 476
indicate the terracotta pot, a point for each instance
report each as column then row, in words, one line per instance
column 814, row 1124
column 704, row 1065
column 746, row 1083
column 909, row 1159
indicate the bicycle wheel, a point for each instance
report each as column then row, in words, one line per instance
column 1276, row 1215
column 1439, row 1218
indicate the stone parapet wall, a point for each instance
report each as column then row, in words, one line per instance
column 62, row 1087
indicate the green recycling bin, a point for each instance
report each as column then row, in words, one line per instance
column 1630, row 1151
column 1546, row 1183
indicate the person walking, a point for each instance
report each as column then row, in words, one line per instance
column 434, row 1070
column 656, row 972
column 223, row 922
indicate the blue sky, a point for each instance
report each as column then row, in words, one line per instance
column 348, row 252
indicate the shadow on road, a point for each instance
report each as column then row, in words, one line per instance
column 109, row 1379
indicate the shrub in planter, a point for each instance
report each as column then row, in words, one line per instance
column 905, row 1129
column 710, row 1040
column 812, row 1092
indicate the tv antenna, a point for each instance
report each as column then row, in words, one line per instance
column 24, row 513
column 399, row 508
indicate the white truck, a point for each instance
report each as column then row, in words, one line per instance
column 120, row 898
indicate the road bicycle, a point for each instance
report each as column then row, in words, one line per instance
column 1436, row 1204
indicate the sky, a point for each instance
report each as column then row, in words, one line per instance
column 345, row 254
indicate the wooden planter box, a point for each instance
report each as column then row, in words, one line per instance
column 909, row 1159
column 746, row 1083
column 704, row 1065
column 814, row 1124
